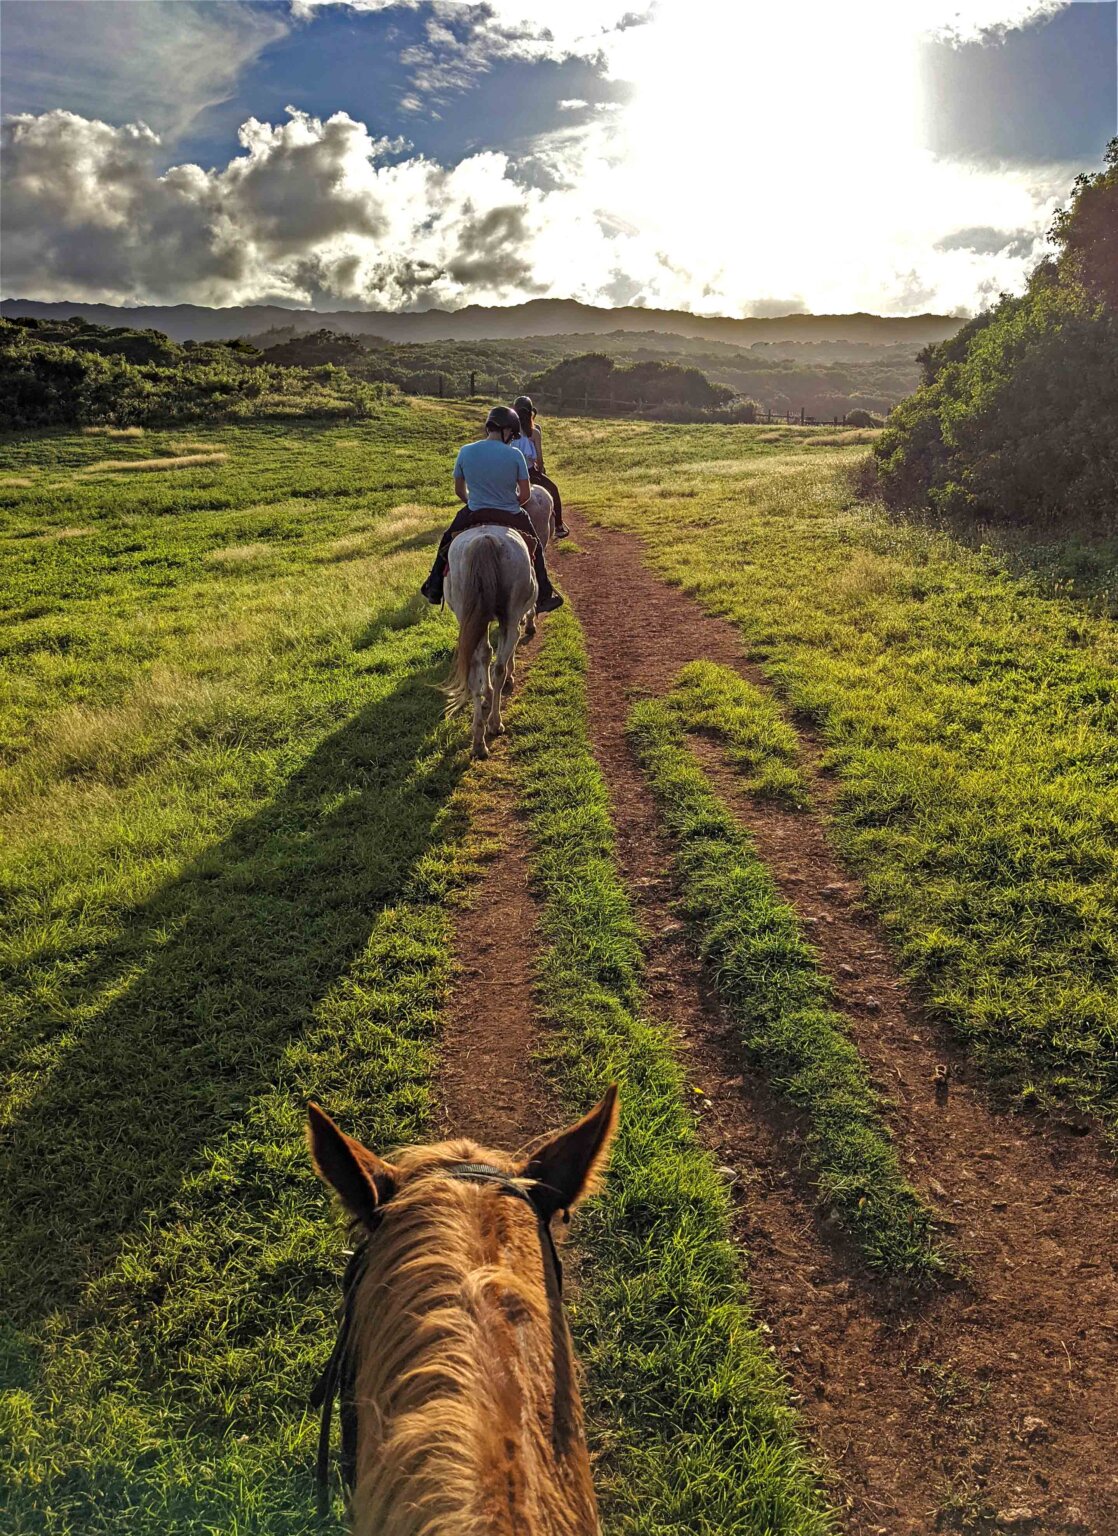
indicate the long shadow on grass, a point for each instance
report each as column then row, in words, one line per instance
column 228, row 962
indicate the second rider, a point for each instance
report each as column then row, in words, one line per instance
column 491, row 477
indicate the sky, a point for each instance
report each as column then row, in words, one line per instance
column 737, row 157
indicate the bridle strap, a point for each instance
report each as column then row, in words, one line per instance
column 337, row 1379
column 333, row 1384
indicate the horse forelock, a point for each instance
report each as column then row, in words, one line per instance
column 468, row 1410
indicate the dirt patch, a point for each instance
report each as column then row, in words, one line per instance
column 986, row 1407
column 488, row 1086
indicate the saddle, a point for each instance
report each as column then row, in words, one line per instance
column 493, row 517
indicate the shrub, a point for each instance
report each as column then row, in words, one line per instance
column 740, row 412
column 1013, row 421
column 596, row 379
column 62, row 374
column 861, row 419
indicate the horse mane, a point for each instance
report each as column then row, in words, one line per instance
column 465, row 1386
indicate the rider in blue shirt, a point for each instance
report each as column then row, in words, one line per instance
column 491, row 477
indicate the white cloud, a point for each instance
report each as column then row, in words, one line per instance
column 311, row 211
column 785, row 161
column 478, row 32
column 508, row 28
column 789, row 159
column 159, row 62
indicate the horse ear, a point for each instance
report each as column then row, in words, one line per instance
column 570, row 1162
column 359, row 1176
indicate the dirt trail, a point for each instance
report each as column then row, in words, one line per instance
column 991, row 1406
column 487, row 1086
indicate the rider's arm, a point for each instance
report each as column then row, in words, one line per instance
column 523, row 491
column 460, row 487
column 538, row 440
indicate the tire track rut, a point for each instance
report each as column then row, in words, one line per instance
column 989, row 1406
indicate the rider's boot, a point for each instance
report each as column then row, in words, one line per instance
column 548, row 599
column 432, row 588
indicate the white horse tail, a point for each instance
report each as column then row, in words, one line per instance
column 484, row 601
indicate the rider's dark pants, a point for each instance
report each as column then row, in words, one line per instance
column 537, row 477
column 492, row 516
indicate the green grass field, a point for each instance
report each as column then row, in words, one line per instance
column 969, row 716
column 233, row 830
column 226, row 791
column 754, row 947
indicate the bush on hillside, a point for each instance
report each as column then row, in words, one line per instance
column 1014, row 419
column 316, row 348
column 739, row 412
column 859, row 418
column 597, row 380
column 61, row 375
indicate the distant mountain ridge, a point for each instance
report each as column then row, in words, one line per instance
column 537, row 317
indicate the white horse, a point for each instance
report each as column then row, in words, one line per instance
column 489, row 580
column 541, row 509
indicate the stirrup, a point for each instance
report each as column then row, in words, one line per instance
column 549, row 604
column 562, row 531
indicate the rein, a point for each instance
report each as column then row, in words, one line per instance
column 338, row 1379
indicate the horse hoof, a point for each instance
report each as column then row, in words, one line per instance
column 530, row 632
column 480, row 749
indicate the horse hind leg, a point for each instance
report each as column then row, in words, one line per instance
column 504, row 674
column 481, row 692
column 495, row 724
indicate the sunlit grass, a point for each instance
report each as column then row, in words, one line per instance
column 174, row 461
column 228, row 862
column 968, row 714
column 755, row 950
column 689, row 1418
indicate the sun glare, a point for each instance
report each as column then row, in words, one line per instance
column 806, row 113
column 780, row 151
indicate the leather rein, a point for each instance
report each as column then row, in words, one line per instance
column 338, row 1379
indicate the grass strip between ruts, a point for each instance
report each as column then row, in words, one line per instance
column 965, row 708
column 759, row 742
column 751, row 940
column 688, row 1415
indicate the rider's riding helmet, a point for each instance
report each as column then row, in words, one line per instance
column 503, row 419
column 525, row 410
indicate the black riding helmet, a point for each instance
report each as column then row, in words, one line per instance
column 524, row 403
column 502, row 418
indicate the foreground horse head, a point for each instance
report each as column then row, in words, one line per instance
column 489, row 580
column 464, row 1416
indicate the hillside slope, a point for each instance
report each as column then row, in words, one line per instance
column 538, row 317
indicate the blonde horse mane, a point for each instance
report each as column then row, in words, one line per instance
column 462, row 1400
column 465, row 1375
